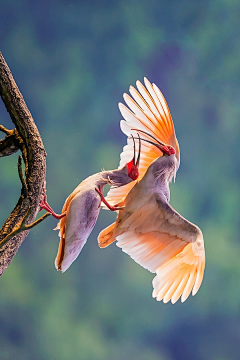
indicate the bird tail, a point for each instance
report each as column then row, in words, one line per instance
column 106, row 236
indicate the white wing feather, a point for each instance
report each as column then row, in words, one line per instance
column 162, row 241
column 148, row 111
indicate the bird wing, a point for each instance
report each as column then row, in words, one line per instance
column 61, row 226
column 162, row 241
column 148, row 111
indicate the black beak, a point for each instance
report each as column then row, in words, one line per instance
column 136, row 163
column 151, row 142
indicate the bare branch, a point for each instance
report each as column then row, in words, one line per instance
column 6, row 131
column 30, row 143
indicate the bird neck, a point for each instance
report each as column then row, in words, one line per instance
column 159, row 174
column 117, row 177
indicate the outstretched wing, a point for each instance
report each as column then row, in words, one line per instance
column 148, row 111
column 162, row 241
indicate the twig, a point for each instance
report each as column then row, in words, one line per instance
column 6, row 131
column 23, row 226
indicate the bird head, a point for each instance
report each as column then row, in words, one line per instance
column 133, row 165
column 166, row 149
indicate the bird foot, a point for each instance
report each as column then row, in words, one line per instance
column 44, row 205
column 111, row 207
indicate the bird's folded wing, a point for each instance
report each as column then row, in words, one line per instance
column 162, row 241
column 61, row 226
column 148, row 111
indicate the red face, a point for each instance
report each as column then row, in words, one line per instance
column 132, row 170
column 134, row 163
column 168, row 149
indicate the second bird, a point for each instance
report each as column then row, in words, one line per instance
column 82, row 208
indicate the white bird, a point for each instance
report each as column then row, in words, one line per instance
column 148, row 228
column 81, row 210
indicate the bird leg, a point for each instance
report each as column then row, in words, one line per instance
column 44, row 205
column 112, row 208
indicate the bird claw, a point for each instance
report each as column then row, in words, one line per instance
column 45, row 206
column 110, row 207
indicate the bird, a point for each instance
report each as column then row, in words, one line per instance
column 81, row 209
column 147, row 227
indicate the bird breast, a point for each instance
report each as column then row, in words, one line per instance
column 164, row 168
column 155, row 180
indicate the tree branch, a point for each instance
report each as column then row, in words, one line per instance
column 28, row 139
column 23, row 226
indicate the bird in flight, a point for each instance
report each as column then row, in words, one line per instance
column 147, row 227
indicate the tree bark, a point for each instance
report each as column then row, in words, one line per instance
column 26, row 137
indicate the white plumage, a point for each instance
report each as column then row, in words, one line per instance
column 148, row 228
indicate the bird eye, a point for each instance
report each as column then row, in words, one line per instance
column 134, row 173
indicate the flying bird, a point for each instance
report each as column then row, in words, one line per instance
column 147, row 227
column 82, row 207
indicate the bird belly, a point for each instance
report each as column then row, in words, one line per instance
column 80, row 220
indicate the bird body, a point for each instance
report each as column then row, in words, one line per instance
column 82, row 208
column 154, row 184
column 148, row 228
column 157, row 237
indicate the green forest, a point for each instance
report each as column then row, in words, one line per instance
column 72, row 61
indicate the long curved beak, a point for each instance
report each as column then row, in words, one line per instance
column 158, row 142
column 166, row 149
column 136, row 163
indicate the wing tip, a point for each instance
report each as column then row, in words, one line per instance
column 146, row 81
column 179, row 286
column 174, row 298
column 138, row 82
column 120, row 105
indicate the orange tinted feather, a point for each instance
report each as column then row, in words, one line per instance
column 62, row 227
column 106, row 237
column 148, row 111
column 60, row 253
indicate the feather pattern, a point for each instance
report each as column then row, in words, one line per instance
column 162, row 241
column 148, row 111
column 148, row 228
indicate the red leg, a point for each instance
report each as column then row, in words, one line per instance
column 112, row 208
column 44, row 205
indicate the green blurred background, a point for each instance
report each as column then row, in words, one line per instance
column 72, row 60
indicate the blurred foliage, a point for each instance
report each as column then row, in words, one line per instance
column 72, row 61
